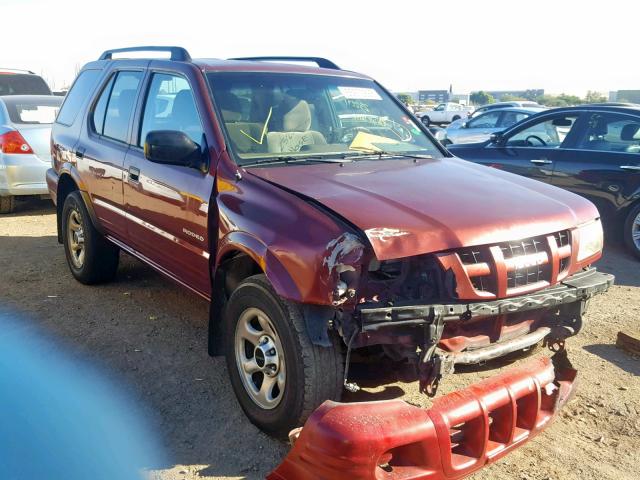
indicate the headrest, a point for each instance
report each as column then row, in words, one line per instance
column 298, row 119
column 230, row 106
column 598, row 126
column 126, row 99
column 630, row 132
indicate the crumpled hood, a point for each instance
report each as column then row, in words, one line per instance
column 408, row 207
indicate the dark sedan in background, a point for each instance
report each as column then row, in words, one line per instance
column 591, row 150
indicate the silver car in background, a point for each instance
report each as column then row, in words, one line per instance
column 25, row 131
column 479, row 128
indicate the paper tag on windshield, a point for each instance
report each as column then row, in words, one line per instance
column 359, row 93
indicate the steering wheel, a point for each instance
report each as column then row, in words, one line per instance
column 349, row 133
column 403, row 133
column 542, row 142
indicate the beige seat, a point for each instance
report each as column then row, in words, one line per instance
column 296, row 134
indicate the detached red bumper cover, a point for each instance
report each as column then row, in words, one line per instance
column 460, row 433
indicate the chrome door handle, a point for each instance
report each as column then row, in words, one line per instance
column 134, row 174
column 541, row 161
column 630, row 167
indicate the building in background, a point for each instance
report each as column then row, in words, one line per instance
column 433, row 96
column 629, row 96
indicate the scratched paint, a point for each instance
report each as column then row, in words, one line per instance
column 342, row 253
column 383, row 233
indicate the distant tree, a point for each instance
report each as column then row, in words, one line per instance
column 481, row 98
column 550, row 101
column 507, row 97
column 561, row 100
column 595, row 97
column 405, row 98
column 570, row 99
column 530, row 95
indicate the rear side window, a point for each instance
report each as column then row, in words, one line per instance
column 23, row 84
column 122, row 100
column 100, row 110
column 81, row 89
column 611, row 132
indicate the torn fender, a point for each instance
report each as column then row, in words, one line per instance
column 459, row 434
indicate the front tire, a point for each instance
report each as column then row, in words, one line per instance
column 426, row 121
column 7, row 204
column 91, row 258
column 632, row 231
column 278, row 375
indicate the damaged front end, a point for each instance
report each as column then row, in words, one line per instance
column 462, row 431
column 465, row 306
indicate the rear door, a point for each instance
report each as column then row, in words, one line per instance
column 167, row 206
column 603, row 163
column 103, row 144
column 533, row 148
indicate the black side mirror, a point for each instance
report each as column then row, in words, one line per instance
column 496, row 138
column 172, row 147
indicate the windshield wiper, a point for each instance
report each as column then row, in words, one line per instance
column 291, row 159
column 382, row 153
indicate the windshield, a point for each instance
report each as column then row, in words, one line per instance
column 275, row 115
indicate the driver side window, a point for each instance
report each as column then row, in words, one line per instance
column 548, row 133
column 486, row 120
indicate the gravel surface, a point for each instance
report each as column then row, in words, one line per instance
column 151, row 335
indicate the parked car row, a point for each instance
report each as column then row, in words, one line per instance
column 27, row 110
column 591, row 150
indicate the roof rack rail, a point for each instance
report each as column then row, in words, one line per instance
column 177, row 53
column 15, row 70
column 321, row 62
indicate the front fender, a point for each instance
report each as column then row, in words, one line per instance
column 276, row 273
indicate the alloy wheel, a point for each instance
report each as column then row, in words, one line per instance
column 75, row 238
column 635, row 231
column 260, row 358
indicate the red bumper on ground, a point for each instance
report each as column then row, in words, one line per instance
column 460, row 433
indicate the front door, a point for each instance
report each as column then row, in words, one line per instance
column 533, row 149
column 168, row 205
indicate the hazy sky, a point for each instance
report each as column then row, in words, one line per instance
column 559, row 45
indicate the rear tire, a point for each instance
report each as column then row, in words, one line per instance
column 426, row 121
column 278, row 375
column 455, row 118
column 7, row 204
column 632, row 231
column 91, row 258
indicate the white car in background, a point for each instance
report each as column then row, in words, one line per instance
column 479, row 128
column 25, row 152
column 498, row 105
column 445, row 113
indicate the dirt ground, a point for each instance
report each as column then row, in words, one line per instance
column 151, row 335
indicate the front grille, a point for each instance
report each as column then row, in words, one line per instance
column 510, row 268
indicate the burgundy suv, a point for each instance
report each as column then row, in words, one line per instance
column 318, row 217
